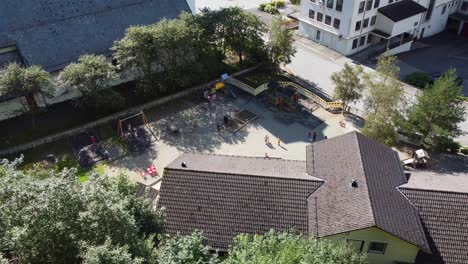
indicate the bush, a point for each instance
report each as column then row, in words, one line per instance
column 418, row 79
column 278, row 4
column 271, row 9
column 295, row 2
column 464, row 151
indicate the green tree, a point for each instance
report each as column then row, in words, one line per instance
column 288, row 248
column 232, row 29
column 89, row 75
column 243, row 31
column 161, row 54
column 92, row 76
column 185, row 249
column 109, row 253
column 348, row 85
column 17, row 80
column 438, row 111
column 3, row 260
column 280, row 43
column 418, row 79
column 385, row 102
column 57, row 219
column 137, row 52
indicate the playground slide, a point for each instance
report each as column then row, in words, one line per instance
column 231, row 91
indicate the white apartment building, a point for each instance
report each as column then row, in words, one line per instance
column 350, row 26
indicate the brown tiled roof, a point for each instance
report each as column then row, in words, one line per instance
column 224, row 196
column 338, row 207
column 445, row 218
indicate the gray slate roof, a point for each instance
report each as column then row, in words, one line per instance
column 227, row 195
column 337, row 207
column 52, row 33
column 401, row 10
column 444, row 215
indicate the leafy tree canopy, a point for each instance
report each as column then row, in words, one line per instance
column 280, row 43
column 89, row 75
column 233, row 29
column 56, row 219
column 385, row 102
column 288, row 248
column 438, row 111
column 92, row 76
column 15, row 79
column 186, row 249
column 19, row 81
column 348, row 84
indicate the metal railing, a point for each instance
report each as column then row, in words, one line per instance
column 309, row 94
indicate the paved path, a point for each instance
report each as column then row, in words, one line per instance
column 316, row 64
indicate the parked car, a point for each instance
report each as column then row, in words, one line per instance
column 436, row 75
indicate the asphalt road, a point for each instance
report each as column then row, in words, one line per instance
column 316, row 64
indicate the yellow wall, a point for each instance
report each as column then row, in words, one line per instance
column 397, row 249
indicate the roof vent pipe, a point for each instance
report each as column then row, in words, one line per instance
column 184, row 165
column 354, row 184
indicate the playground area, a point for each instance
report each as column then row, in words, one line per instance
column 275, row 120
column 242, row 125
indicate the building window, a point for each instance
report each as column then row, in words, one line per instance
column 330, row 3
column 328, row 20
column 355, row 43
column 319, row 17
column 366, row 23
column 372, row 21
column 358, row 26
column 464, row 6
column 362, row 41
column 376, row 3
column 317, row 36
column 415, row 24
column 361, row 7
column 430, row 8
column 311, row 14
column 444, row 9
column 377, row 247
column 370, row 37
column 336, row 23
column 390, row 1
column 313, row 1
column 369, row 5
column 357, row 244
column 339, row 5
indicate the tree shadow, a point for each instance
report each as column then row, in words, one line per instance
column 197, row 126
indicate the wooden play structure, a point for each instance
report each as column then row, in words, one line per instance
column 136, row 132
column 329, row 105
column 133, row 121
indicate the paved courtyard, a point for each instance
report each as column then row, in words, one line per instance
column 199, row 133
